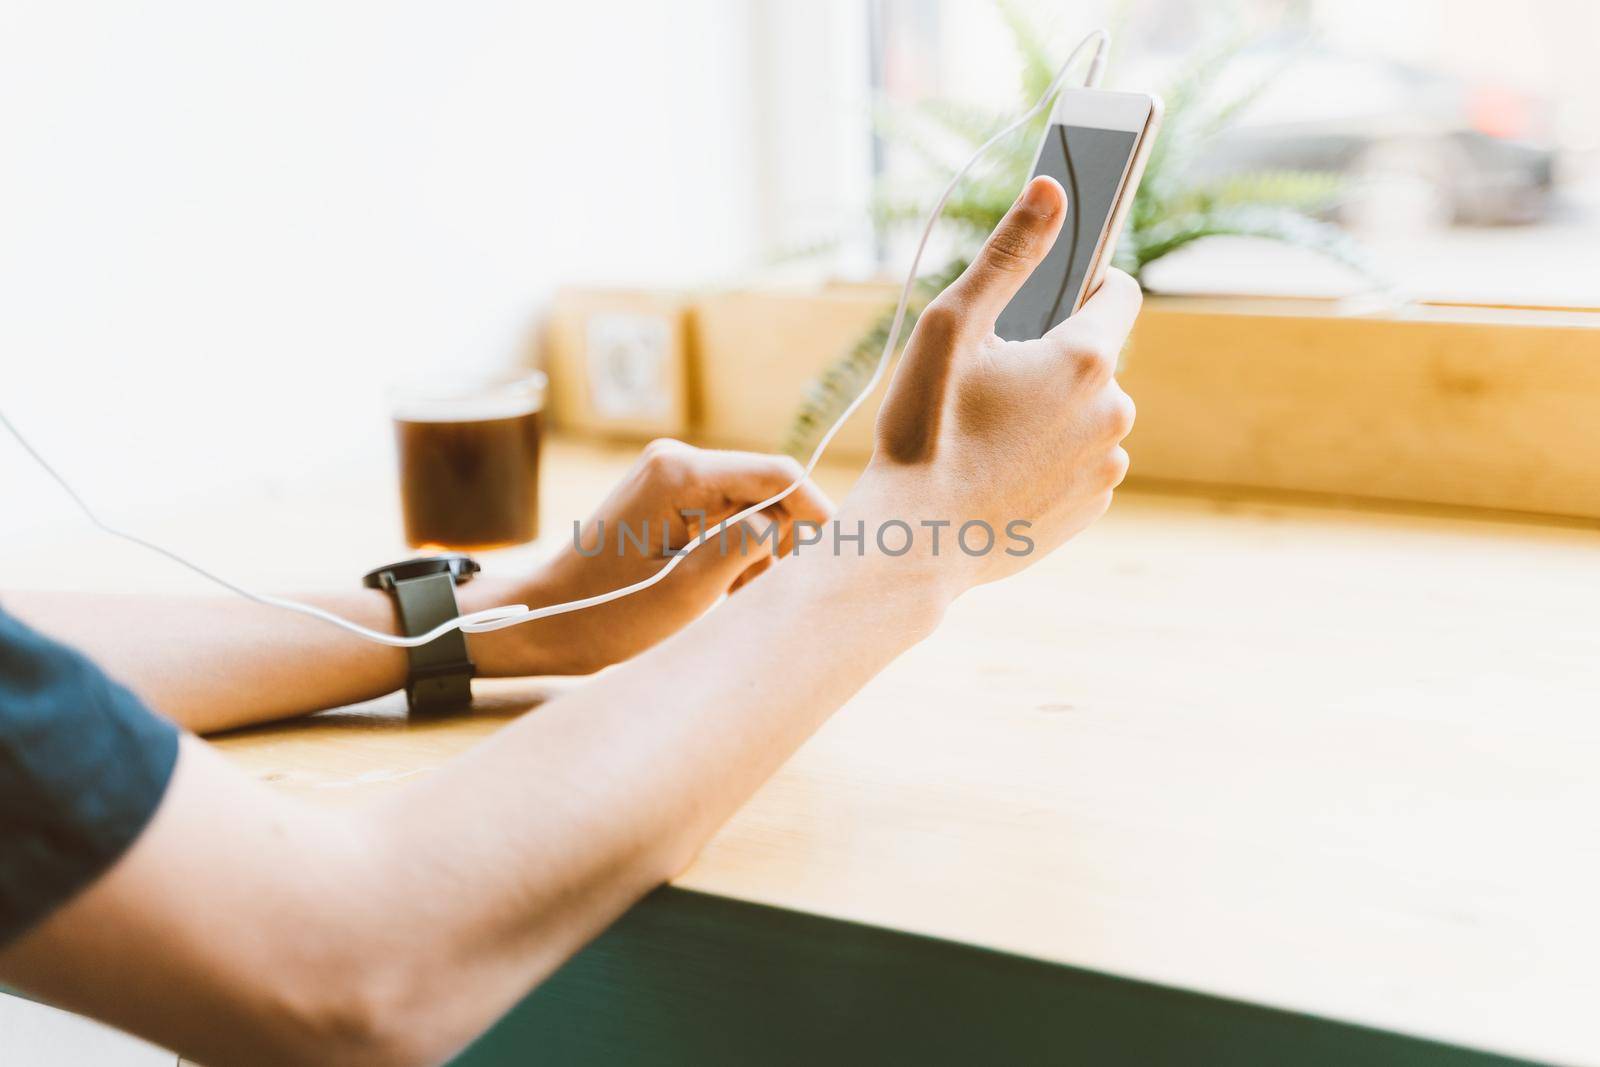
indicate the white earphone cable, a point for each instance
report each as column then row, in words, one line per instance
column 513, row 614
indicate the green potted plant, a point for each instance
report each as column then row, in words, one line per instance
column 1172, row 208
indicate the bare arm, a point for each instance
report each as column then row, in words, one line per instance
column 395, row 934
column 243, row 927
column 213, row 663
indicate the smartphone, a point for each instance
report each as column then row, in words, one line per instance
column 1095, row 145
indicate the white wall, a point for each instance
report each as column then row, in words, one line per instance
column 812, row 91
column 223, row 227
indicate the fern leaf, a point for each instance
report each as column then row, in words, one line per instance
column 802, row 251
column 1038, row 66
column 974, row 125
column 1271, row 223
column 1303, row 190
column 907, row 126
column 844, row 379
column 1171, row 209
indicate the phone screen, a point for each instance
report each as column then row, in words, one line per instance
column 1090, row 173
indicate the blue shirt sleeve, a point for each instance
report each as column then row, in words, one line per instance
column 83, row 766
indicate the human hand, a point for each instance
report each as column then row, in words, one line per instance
column 673, row 491
column 976, row 429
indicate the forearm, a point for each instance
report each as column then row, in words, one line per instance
column 244, row 927
column 213, row 663
column 547, row 834
column 238, row 929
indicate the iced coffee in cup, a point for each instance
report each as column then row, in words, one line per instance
column 469, row 462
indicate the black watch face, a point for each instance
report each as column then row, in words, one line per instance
column 458, row 565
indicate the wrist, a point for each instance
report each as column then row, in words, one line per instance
column 506, row 652
column 897, row 530
column 851, row 563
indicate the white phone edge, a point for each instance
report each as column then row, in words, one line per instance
column 1137, row 113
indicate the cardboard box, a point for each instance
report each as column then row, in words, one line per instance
column 618, row 361
column 757, row 353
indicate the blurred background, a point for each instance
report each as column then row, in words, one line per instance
column 226, row 229
column 1467, row 133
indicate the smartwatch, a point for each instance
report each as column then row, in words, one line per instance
column 424, row 594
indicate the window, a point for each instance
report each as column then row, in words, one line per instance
column 1463, row 132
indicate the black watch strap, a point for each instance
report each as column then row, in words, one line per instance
column 441, row 671
column 424, row 592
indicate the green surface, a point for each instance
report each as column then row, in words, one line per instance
column 687, row 978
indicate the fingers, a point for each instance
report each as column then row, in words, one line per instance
column 742, row 478
column 1099, row 330
column 754, row 571
column 1011, row 253
column 728, row 559
column 1117, row 466
column 739, row 479
column 1121, row 414
column 702, row 487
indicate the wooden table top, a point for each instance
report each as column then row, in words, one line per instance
column 1334, row 760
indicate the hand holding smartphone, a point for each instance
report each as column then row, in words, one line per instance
column 1095, row 145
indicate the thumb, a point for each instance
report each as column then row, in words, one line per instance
column 1011, row 253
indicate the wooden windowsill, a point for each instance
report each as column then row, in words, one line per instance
column 1479, row 406
column 1483, row 407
